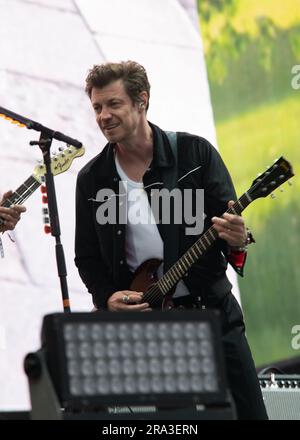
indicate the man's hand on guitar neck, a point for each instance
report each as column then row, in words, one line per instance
column 127, row 301
column 11, row 215
column 231, row 228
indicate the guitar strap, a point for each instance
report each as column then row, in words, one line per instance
column 171, row 232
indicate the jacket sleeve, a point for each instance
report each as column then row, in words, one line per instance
column 237, row 260
column 219, row 190
column 91, row 266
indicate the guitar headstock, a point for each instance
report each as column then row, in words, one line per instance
column 60, row 162
column 267, row 182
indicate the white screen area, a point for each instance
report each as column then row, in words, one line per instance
column 46, row 50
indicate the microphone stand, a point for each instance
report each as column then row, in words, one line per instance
column 44, row 143
column 46, row 137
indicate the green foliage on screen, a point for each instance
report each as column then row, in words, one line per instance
column 251, row 48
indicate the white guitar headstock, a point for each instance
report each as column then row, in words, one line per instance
column 60, row 162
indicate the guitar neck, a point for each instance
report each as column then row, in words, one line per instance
column 59, row 164
column 278, row 173
column 22, row 193
column 202, row 245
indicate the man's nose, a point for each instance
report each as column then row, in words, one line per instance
column 105, row 114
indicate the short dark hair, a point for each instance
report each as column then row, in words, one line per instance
column 132, row 74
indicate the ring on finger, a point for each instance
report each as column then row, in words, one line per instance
column 125, row 299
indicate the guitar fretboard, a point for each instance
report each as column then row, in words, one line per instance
column 22, row 193
column 179, row 269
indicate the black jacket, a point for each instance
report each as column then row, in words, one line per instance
column 100, row 249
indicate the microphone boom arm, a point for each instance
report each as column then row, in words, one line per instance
column 33, row 125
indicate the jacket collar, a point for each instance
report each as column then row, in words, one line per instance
column 162, row 154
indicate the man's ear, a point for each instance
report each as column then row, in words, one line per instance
column 143, row 98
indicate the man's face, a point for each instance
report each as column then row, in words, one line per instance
column 117, row 116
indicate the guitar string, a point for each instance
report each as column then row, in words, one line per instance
column 34, row 184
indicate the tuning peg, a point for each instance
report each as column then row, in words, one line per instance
column 61, row 149
column 290, row 183
column 273, row 196
column 281, row 190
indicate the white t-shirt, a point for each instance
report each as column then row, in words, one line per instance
column 143, row 240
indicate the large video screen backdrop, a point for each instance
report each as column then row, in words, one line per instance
column 46, row 49
column 252, row 51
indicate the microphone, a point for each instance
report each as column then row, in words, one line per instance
column 30, row 124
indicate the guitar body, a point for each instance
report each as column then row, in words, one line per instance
column 145, row 279
column 145, row 275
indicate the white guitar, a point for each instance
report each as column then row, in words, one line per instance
column 59, row 164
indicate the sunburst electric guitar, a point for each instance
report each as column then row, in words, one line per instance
column 59, row 164
column 157, row 292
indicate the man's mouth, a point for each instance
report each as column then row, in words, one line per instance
column 110, row 127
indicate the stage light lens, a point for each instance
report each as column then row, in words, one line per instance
column 117, row 358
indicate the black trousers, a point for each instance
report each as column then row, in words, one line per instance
column 240, row 368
